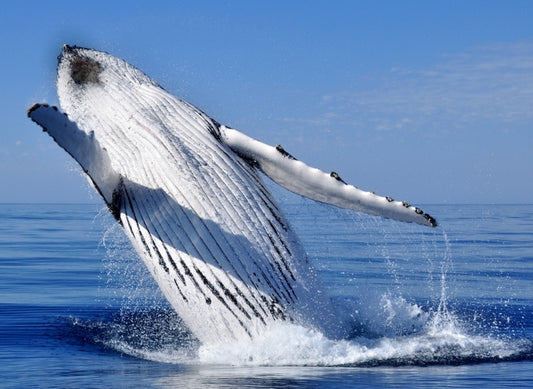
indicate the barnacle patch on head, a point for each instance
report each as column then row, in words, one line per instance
column 84, row 69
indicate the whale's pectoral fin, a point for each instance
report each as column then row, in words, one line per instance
column 84, row 148
column 315, row 184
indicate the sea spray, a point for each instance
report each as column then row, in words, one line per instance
column 289, row 345
column 392, row 327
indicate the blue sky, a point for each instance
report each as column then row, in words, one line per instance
column 429, row 102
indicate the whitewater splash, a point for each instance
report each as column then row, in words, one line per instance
column 291, row 345
column 442, row 339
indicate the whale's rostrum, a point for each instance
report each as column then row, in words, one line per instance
column 188, row 194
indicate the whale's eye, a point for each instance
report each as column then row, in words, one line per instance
column 84, row 70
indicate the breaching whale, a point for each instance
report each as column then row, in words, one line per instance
column 188, row 193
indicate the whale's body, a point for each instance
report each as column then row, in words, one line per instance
column 188, row 194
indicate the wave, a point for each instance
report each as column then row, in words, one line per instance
column 409, row 336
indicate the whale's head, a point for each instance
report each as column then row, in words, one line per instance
column 140, row 125
column 85, row 76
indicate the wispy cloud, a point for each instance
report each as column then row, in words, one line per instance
column 485, row 84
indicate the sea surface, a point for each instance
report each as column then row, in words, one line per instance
column 444, row 307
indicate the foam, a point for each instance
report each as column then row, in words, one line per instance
column 442, row 340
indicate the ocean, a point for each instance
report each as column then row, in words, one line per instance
column 444, row 307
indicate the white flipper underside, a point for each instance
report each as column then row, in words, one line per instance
column 315, row 184
column 83, row 147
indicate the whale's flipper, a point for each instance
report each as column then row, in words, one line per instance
column 315, row 184
column 83, row 147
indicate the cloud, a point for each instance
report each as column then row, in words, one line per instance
column 490, row 84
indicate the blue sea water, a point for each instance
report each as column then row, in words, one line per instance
column 444, row 307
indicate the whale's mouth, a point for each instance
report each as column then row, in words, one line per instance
column 83, row 70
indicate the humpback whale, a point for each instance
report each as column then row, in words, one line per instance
column 188, row 193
